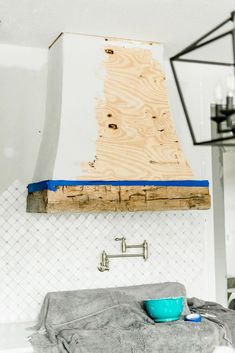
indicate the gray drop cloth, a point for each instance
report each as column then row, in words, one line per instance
column 114, row 321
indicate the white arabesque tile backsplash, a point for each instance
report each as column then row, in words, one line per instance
column 41, row 253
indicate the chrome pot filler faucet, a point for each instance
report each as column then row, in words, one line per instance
column 104, row 264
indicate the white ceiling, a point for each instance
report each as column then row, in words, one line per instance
column 175, row 22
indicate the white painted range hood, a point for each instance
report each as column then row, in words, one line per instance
column 108, row 141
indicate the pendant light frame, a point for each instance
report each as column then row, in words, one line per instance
column 199, row 43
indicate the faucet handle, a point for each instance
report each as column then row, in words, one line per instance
column 123, row 240
column 120, row 239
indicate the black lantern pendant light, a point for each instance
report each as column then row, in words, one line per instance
column 223, row 111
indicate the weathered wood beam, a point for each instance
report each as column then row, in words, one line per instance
column 118, row 198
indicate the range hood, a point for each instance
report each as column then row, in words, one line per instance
column 108, row 142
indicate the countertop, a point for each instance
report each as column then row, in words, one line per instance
column 13, row 338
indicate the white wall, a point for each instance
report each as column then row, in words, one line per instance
column 229, row 195
column 198, row 157
column 22, row 94
column 23, row 83
column 198, row 85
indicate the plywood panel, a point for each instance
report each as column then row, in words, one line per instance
column 136, row 138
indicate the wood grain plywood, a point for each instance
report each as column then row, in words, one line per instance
column 136, row 138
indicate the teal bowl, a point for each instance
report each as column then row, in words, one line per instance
column 164, row 309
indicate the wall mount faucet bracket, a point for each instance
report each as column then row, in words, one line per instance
column 104, row 264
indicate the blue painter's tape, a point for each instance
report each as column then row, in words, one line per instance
column 53, row 184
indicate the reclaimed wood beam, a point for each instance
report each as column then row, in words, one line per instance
column 118, row 198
